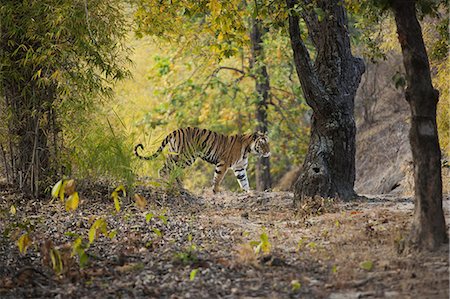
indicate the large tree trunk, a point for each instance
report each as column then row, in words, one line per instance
column 262, row 86
column 329, row 87
column 428, row 228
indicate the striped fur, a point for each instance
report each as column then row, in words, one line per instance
column 223, row 151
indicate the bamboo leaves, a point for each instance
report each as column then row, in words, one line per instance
column 66, row 187
column 115, row 196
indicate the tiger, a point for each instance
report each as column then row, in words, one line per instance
column 225, row 152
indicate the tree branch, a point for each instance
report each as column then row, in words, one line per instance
column 314, row 91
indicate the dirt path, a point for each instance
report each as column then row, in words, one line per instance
column 226, row 246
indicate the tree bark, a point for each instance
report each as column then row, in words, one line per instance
column 428, row 227
column 329, row 86
column 262, row 87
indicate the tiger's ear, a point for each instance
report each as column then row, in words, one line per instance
column 262, row 134
column 259, row 134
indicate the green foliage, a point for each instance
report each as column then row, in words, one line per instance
column 79, row 249
column 189, row 253
column 366, row 265
column 295, row 285
column 192, row 274
column 99, row 150
column 204, row 78
column 263, row 244
column 74, row 46
column 99, row 226
column 57, row 59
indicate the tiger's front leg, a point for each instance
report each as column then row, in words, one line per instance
column 241, row 175
column 219, row 174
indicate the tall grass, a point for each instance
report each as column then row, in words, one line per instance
column 97, row 150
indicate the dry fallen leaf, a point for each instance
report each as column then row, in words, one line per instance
column 141, row 202
column 69, row 187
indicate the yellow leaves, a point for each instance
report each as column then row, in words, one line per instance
column 23, row 243
column 56, row 75
column 216, row 7
column 13, row 210
column 72, row 202
column 66, row 187
column 57, row 189
column 115, row 196
column 227, row 114
column 99, row 226
column 205, row 112
column 57, row 263
column 37, row 74
column 141, row 202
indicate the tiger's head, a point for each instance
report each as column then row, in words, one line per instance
column 260, row 145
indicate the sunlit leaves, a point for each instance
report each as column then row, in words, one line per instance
column 66, row 187
column 263, row 245
column 157, row 232
column 148, row 217
column 115, row 196
column 334, row 269
column 12, row 210
column 99, row 226
column 295, row 285
column 73, row 47
column 193, row 274
column 57, row 189
column 72, row 202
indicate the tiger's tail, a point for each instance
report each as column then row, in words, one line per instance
column 156, row 154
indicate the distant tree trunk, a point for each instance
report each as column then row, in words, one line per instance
column 428, row 228
column 263, row 178
column 329, row 86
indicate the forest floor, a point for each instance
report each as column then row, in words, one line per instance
column 230, row 245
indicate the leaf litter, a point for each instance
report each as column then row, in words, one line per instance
column 229, row 245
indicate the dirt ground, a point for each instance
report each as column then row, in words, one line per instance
column 229, row 245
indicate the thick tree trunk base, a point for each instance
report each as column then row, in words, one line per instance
column 428, row 231
column 329, row 167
